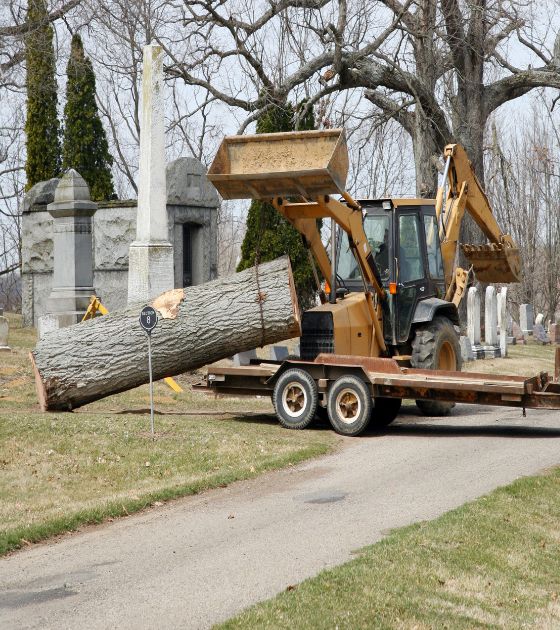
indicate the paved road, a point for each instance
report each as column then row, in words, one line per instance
column 202, row 559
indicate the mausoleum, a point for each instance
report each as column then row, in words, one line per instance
column 192, row 204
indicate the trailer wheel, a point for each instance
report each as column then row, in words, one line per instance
column 295, row 399
column 436, row 347
column 385, row 410
column 349, row 405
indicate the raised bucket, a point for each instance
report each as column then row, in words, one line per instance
column 494, row 262
column 267, row 165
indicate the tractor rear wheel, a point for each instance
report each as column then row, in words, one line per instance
column 436, row 347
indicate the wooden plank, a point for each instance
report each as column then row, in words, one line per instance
column 243, row 370
column 475, row 376
column 449, row 385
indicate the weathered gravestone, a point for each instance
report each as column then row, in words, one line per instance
column 539, row 333
column 4, row 332
column 244, row 358
column 279, row 353
column 473, row 322
column 503, row 320
column 473, row 316
column 539, row 319
column 518, row 334
column 526, row 318
column 490, row 317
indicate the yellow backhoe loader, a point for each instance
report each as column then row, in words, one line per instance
column 393, row 274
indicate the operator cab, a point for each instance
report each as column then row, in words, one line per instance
column 404, row 239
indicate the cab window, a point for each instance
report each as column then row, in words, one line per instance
column 411, row 266
column 433, row 248
column 376, row 228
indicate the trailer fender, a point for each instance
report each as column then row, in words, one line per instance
column 318, row 371
column 315, row 370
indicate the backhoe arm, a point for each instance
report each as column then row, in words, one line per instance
column 303, row 217
column 497, row 262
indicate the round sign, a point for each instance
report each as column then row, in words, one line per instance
column 148, row 318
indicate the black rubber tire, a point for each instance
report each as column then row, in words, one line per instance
column 356, row 388
column 427, row 345
column 300, row 381
column 385, row 410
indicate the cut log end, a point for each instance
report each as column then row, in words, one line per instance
column 39, row 385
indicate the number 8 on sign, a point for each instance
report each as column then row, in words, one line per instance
column 148, row 319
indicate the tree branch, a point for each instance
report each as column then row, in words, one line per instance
column 516, row 85
column 22, row 29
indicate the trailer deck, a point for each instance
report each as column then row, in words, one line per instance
column 386, row 378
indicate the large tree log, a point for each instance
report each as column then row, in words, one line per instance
column 197, row 326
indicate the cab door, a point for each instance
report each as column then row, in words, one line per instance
column 412, row 281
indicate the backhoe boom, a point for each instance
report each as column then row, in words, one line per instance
column 497, row 262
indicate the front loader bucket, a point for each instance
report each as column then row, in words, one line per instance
column 494, row 262
column 268, row 165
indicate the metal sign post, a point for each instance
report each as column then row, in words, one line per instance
column 148, row 321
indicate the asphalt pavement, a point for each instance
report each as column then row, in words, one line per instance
column 202, row 559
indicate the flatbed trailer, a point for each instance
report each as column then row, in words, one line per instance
column 356, row 391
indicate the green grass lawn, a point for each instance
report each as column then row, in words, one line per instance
column 526, row 360
column 61, row 470
column 492, row 563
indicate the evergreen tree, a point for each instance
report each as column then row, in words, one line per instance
column 41, row 126
column 85, row 146
column 268, row 234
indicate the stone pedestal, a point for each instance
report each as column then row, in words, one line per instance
column 71, row 210
column 526, row 318
column 151, row 255
column 467, row 353
column 150, row 270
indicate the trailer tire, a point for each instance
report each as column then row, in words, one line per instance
column 436, row 346
column 295, row 399
column 385, row 410
column 349, row 405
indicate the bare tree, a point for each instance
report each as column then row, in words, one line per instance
column 438, row 68
column 524, row 184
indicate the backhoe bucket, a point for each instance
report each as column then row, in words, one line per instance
column 494, row 262
column 268, row 165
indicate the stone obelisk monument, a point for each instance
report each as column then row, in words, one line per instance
column 151, row 254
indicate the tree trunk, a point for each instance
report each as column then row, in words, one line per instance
column 426, row 151
column 197, row 326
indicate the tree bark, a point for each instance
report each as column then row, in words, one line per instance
column 197, row 326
